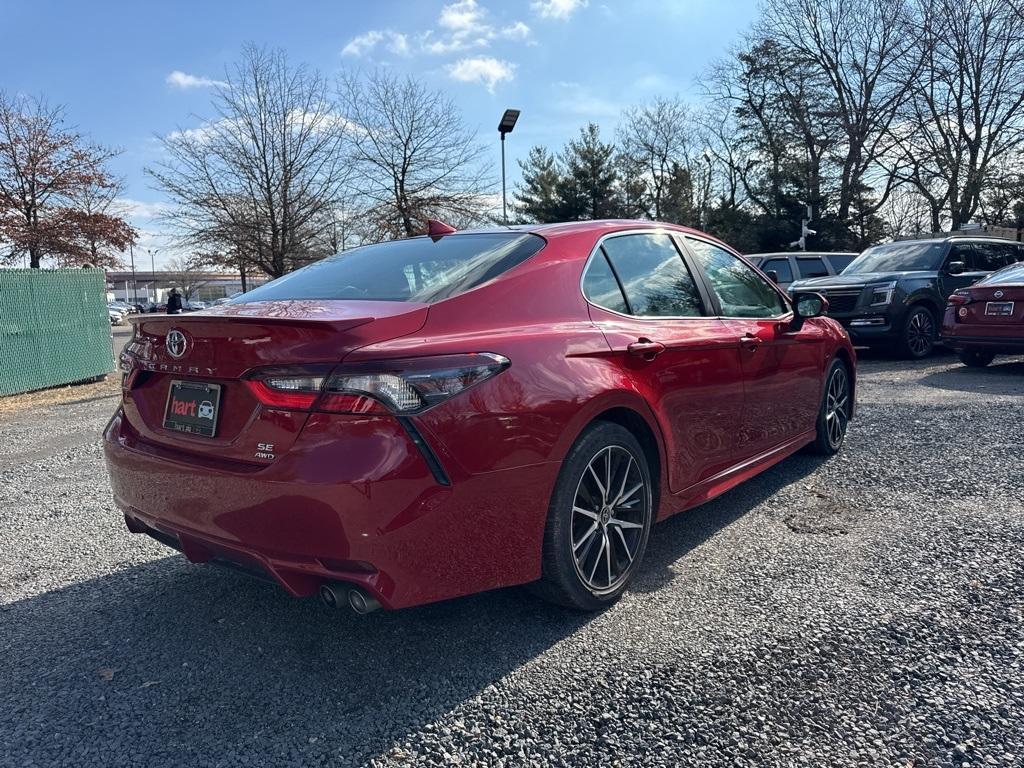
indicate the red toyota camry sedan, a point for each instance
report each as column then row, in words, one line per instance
column 420, row 419
column 987, row 318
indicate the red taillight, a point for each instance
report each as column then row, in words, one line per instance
column 959, row 301
column 286, row 398
column 393, row 386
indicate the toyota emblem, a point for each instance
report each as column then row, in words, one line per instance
column 176, row 343
column 998, row 294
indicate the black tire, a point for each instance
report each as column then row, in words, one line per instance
column 834, row 411
column 621, row 549
column 918, row 337
column 976, row 358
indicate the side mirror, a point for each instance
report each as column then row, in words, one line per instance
column 772, row 275
column 805, row 305
column 955, row 268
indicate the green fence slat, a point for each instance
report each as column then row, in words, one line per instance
column 54, row 328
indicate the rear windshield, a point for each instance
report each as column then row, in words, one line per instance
column 1012, row 274
column 898, row 257
column 418, row 269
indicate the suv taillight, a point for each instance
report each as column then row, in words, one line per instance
column 398, row 387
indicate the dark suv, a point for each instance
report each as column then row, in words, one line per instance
column 894, row 294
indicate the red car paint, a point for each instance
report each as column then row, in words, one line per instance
column 969, row 326
column 314, row 497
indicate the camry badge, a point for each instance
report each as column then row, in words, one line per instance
column 998, row 294
column 176, row 343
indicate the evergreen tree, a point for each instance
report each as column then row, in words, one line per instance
column 589, row 188
column 536, row 198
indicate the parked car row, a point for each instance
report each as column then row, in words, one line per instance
column 895, row 295
column 420, row 419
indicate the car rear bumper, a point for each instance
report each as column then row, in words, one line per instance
column 354, row 503
column 1007, row 345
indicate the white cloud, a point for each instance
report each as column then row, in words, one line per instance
column 517, row 31
column 482, row 69
column 557, row 9
column 364, row 44
column 462, row 16
column 464, row 26
column 183, row 80
column 137, row 209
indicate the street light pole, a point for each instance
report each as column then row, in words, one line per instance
column 135, row 285
column 508, row 122
column 152, row 269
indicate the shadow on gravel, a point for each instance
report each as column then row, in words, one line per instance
column 999, row 378
column 168, row 662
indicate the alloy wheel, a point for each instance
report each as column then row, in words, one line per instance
column 920, row 333
column 837, row 400
column 610, row 513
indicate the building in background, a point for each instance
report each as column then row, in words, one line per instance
column 155, row 286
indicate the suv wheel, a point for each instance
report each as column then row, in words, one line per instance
column 918, row 338
column 599, row 520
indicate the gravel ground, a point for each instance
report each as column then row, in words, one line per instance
column 866, row 610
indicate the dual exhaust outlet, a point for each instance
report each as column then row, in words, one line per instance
column 336, row 594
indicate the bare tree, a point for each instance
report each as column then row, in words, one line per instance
column 261, row 176
column 656, row 140
column 413, row 157
column 188, row 273
column 51, row 184
column 966, row 108
column 860, row 48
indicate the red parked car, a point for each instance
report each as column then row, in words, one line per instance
column 431, row 417
column 987, row 319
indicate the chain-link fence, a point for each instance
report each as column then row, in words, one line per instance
column 54, row 328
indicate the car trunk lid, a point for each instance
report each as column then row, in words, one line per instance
column 994, row 305
column 218, row 347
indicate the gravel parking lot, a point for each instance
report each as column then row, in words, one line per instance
column 866, row 610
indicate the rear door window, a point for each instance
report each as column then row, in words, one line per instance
column 653, row 275
column 811, row 267
column 601, row 287
column 418, row 269
column 741, row 291
column 780, row 267
column 988, row 257
column 840, row 261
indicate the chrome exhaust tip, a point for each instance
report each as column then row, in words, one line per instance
column 332, row 595
column 362, row 602
column 335, row 595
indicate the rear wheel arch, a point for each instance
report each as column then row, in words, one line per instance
column 851, row 371
column 638, row 426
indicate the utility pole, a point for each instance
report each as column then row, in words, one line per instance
column 804, row 230
column 135, row 285
column 152, row 268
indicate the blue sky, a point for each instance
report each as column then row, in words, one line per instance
column 127, row 71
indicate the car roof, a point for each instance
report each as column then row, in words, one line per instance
column 800, row 254
column 591, row 225
column 954, row 238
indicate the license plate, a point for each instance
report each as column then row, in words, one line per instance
column 192, row 408
column 999, row 308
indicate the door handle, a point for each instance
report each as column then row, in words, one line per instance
column 750, row 341
column 646, row 349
